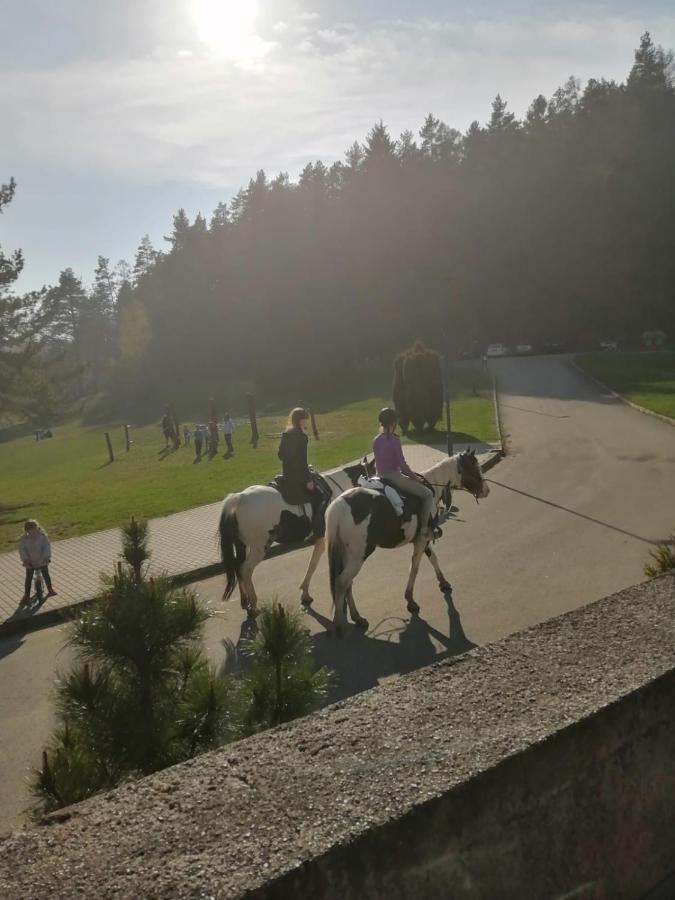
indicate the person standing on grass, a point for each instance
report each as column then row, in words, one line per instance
column 227, row 428
column 36, row 553
column 198, row 436
column 186, row 435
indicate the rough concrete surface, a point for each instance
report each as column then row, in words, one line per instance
column 305, row 801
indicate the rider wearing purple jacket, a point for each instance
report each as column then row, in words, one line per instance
column 390, row 464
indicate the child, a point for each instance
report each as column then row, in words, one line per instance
column 35, row 552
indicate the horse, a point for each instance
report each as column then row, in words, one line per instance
column 252, row 519
column 362, row 519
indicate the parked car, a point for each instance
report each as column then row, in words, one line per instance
column 497, row 350
column 523, row 348
column 608, row 345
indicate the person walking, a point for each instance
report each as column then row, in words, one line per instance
column 227, row 427
column 167, row 428
column 36, row 553
column 198, row 436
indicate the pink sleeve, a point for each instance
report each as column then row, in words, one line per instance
column 405, row 468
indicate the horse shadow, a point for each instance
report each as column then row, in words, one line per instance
column 362, row 659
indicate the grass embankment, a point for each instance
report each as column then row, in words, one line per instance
column 68, row 485
column 647, row 379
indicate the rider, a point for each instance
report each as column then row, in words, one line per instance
column 391, row 464
column 295, row 470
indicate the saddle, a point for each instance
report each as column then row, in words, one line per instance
column 383, row 487
column 311, row 506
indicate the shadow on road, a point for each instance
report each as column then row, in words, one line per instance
column 573, row 512
column 392, row 647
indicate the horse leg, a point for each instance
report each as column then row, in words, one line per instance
column 249, row 599
column 443, row 583
column 357, row 619
column 418, row 550
column 319, row 544
column 343, row 588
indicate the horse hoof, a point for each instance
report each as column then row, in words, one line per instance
column 360, row 622
column 413, row 607
column 306, row 600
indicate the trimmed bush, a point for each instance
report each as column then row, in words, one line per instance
column 418, row 384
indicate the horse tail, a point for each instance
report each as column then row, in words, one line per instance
column 232, row 548
column 335, row 545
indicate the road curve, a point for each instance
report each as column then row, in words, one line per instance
column 587, row 486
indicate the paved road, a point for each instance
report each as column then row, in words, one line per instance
column 587, row 485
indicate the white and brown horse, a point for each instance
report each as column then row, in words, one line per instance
column 253, row 519
column 362, row 519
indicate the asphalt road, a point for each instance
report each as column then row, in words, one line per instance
column 587, row 486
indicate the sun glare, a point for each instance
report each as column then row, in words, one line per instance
column 226, row 27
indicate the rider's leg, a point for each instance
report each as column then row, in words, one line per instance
column 412, row 486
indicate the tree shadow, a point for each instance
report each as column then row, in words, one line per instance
column 394, row 646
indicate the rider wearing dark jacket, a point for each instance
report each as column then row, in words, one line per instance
column 295, row 469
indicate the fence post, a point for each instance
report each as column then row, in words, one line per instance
column 315, row 430
column 127, row 439
column 250, row 399
column 446, row 398
column 110, row 449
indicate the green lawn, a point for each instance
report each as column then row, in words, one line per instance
column 67, row 483
column 647, row 379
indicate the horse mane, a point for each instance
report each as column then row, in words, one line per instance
column 440, row 466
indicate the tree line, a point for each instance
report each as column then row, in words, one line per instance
column 554, row 228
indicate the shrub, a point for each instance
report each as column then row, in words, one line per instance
column 135, row 550
column 663, row 560
column 141, row 696
column 281, row 683
column 422, row 386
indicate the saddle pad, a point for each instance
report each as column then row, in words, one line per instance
column 392, row 495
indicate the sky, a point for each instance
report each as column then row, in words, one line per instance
column 114, row 115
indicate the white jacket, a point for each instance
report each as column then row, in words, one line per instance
column 35, row 550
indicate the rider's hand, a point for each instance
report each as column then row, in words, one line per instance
column 310, row 485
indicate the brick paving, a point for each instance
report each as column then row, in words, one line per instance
column 179, row 543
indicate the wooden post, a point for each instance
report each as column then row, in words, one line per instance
column 315, row 430
column 127, row 439
column 110, row 449
column 250, row 399
column 446, row 397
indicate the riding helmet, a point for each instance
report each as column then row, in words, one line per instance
column 387, row 417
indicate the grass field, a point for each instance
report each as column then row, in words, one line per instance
column 647, row 379
column 68, row 485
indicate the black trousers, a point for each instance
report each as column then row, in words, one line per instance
column 228, row 441
column 29, row 579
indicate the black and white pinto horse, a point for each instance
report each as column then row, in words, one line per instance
column 253, row 519
column 362, row 519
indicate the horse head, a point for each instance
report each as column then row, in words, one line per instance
column 364, row 467
column 471, row 474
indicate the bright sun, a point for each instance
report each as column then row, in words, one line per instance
column 226, row 26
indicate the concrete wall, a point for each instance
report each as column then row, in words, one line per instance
column 539, row 766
